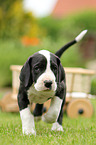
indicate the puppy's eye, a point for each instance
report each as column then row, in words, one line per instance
column 54, row 67
column 36, row 69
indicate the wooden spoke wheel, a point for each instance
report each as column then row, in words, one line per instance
column 79, row 107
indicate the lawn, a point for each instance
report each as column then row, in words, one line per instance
column 79, row 131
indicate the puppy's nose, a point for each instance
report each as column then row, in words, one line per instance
column 48, row 83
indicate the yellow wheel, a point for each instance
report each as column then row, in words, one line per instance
column 79, row 107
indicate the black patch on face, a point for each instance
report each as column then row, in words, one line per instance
column 39, row 64
column 54, row 61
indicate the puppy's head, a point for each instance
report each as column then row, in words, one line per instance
column 41, row 70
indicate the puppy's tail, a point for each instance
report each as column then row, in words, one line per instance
column 65, row 47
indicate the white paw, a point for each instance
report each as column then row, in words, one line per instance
column 29, row 131
column 54, row 110
column 57, row 127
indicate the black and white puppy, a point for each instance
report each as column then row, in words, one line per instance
column 42, row 78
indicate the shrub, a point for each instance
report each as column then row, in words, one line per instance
column 69, row 26
column 15, row 22
column 93, row 86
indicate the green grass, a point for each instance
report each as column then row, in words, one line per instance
column 81, row 131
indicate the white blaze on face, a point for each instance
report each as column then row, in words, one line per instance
column 47, row 75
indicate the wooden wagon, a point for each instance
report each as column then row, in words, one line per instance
column 78, row 82
column 78, row 96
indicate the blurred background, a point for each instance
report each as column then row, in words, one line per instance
column 27, row 26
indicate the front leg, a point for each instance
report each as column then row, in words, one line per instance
column 57, row 126
column 27, row 118
column 54, row 110
column 52, row 115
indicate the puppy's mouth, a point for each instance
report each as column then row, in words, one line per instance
column 44, row 87
column 48, row 89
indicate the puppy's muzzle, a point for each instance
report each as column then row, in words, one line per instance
column 48, row 84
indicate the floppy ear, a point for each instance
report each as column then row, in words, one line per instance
column 25, row 75
column 58, row 63
column 58, row 60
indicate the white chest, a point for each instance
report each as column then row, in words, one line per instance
column 40, row 97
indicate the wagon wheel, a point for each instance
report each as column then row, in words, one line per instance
column 80, row 107
column 9, row 104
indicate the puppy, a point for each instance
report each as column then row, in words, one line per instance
column 42, row 78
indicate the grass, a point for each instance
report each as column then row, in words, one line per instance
column 81, row 131
column 76, row 132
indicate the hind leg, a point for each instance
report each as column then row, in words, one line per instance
column 38, row 111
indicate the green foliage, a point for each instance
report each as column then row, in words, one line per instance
column 93, row 86
column 15, row 22
column 86, row 20
column 69, row 26
column 12, row 52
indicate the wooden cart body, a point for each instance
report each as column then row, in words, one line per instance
column 78, row 96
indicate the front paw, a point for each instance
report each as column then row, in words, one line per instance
column 48, row 118
column 57, row 127
column 29, row 131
